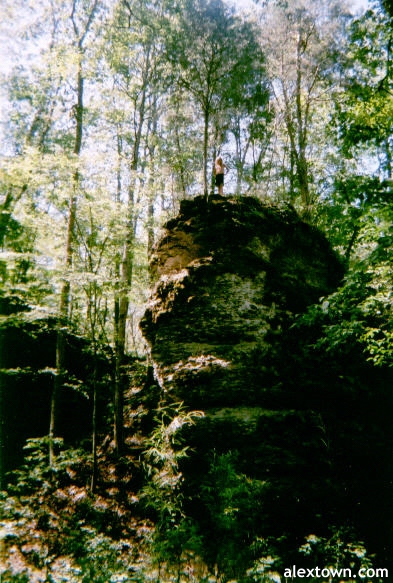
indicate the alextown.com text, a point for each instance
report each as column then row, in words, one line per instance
column 328, row 573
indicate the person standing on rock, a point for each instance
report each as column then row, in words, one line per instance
column 219, row 171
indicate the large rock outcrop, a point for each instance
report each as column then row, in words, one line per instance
column 278, row 431
column 230, row 278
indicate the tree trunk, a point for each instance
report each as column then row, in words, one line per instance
column 205, row 149
column 65, row 294
column 301, row 121
column 125, row 286
column 389, row 161
column 126, row 270
column 93, row 481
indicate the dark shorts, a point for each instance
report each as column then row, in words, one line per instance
column 219, row 179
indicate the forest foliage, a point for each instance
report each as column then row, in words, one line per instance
column 113, row 112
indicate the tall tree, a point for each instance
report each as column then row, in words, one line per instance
column 364, row 110
column 362, row 126
column 302, row 40
column 135, row 60
column 214, row 54
column 81, row 19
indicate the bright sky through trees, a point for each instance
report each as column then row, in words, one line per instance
column 12, row 53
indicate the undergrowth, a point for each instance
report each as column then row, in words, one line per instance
column 54, row 530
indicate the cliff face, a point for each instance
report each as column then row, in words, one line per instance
column 271, row 456
column 230, row 278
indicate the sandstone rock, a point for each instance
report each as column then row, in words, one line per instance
column 230, row 276
column 280, row 448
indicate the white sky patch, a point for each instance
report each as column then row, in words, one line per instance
column 356, row 5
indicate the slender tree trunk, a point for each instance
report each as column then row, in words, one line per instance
column 301, row 158
column 151, row 181
column 389, row 161
column 290, row 124
column 118, row 415
column 239, row 158
column 94, row 473
column 296, row 123
column 65, row 294
column 205, row 151
column 62, row 327
column 125, row 286
column 150, row 226
column 182, row 168
column 126, row 270
column 212, row 176
column 351, row 242
column 118, row 431
column 93, row 321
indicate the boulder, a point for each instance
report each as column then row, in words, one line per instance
column 281, row 444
